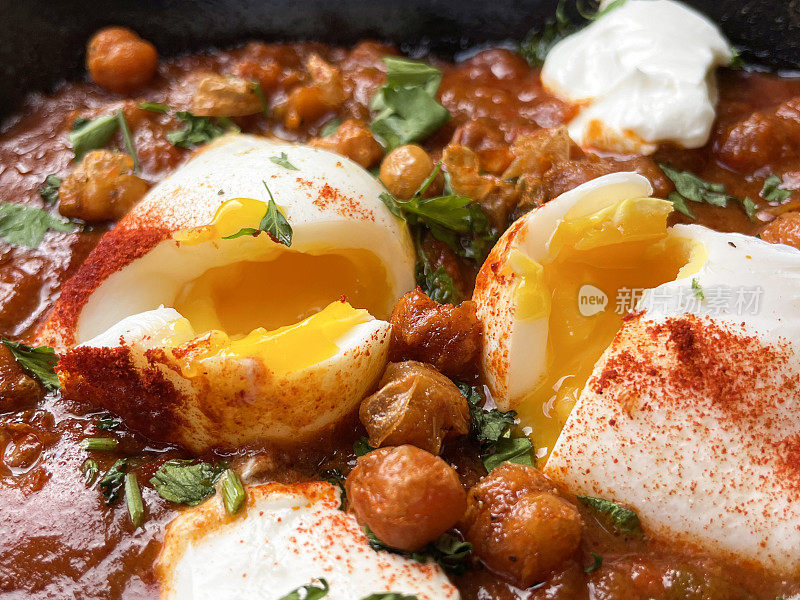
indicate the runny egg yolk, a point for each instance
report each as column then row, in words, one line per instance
column 278, row 304
column 283, row 350
column 618, row 249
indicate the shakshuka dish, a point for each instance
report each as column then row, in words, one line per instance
column 290, row 321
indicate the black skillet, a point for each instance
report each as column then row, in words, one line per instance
column 42, row 41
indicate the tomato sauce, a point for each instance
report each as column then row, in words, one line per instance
column 57, row 537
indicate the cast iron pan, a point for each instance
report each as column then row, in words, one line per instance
column 42, row 41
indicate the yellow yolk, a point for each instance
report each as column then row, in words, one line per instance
column 276, row 286
column 620, row 247
column 283, row 350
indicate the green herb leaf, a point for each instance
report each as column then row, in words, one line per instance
column 598, row 562
column 49, row 189
column 184, row 483
column 362, row 447
column 38, row 362
column 772, row 192
column 101, row 444
column 622, row 519
column 156, row 107
column 127, row 138
column 108, row 423
column 133, row 498
column 390, row 596
column 273, row 223
column 737, row 61
column 406, row 106
column 283, row 160
column 92, row 134
column 233, row 494
column 198, row 130
column 691, row 187
column 79, row 122
column 437, row 284
column 112, row 482
column 509, row 449
column 23, row 225
column 487, row 425
column 259, row 92
column 679, row 202
column 697, row 290
column 451, row 553
column 335, row 477
column 90, row 470
column 311, row 591
column 750, row 209
column 330, row 127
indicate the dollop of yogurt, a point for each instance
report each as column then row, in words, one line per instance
column 643, row 73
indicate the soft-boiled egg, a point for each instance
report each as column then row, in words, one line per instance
column 546, row 293
column 204, row 339
column 285, row 537
column 642, row 74
column 691, row 414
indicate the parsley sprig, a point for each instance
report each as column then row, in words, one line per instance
column 273, row 223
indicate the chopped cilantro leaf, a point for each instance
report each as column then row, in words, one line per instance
column 772, row 192
column 91, row 134
column 112, row 482
column 183, row 483
column 406, row 106
column 198, row 130
column 697, row 290
column 49, row 189
column 38, row 362
column 24, row 225
column 622, row 519
column 273, row 223
column 283, row 161
column 691, row 187
column 449, row 552
column 108, row 423
column 596, row 564
column 330, row 127
column 127, row 138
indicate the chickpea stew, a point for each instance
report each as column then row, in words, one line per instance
column 164, row 366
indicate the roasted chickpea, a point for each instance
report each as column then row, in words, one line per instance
column 405, row 169
column 120, row 61
column 519, row 525
column 101, row 188
column 415, row 405
column 354, row 140
column 785, row 229
column 406, row 496
column 220, row 96
column 448, row 337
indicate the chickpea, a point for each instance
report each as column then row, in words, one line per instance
column 221, row 96
column 354, row 140
column 101, row 188
column 404, row 170
column 120, row 61
column 415, row 405
column 406, row 496
column 785, row 229
column 519, row 525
